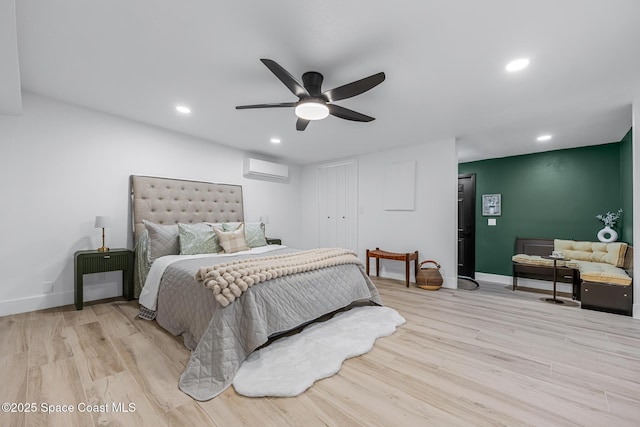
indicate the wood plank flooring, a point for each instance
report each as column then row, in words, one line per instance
column 464, row 358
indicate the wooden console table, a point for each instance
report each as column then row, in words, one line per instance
column 406, row 257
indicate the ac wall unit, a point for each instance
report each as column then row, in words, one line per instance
column 262, row 169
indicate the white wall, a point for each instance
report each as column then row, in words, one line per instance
column 430, row 228
column 635, row 140
column 62, row 165
column 309, row 210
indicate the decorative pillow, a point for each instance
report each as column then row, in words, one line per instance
column 162, row 240
column 601, row 272
column 218, row 225
column 198, row 239
column 232, row 241
column 610, row 253
column 253, row 232
column 230, row 226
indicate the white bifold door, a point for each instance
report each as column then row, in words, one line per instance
column 338, row 205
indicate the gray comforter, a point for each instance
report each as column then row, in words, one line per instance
column 221, row 338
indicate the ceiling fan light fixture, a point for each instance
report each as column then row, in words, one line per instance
column 517, row 65
column 313, row 103
column 312, row 110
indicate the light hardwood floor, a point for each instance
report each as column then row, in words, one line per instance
column 485, row 357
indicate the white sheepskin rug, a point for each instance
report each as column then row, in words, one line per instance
column 290, row 365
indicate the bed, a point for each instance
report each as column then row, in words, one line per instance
column 220, row 336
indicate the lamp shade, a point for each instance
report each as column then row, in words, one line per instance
column 103, row 222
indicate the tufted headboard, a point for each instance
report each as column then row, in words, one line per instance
column 170, row 201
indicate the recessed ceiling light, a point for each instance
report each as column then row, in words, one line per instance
column 517, row 65
column 275, row 140
column 183, row 109
column 543, row 138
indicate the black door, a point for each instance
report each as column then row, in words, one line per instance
column 467, row 225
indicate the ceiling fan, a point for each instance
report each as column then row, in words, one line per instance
column 313, row 104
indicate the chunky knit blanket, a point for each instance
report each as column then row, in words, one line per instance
column 230, row 280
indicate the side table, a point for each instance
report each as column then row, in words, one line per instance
column 555, row 259
column 93, row 261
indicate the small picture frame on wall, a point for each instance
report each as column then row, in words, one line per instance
column 491, row 204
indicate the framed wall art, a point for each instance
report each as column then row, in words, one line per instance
column 491, row 204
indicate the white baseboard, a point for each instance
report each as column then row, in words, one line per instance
column 34, row 303
column 494, row 278
column 636, row 311
column 525, row 283
column 58, row 299
column 450, row 282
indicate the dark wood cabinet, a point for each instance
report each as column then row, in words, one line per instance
column 87, row 262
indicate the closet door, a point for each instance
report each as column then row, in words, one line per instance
column 337, row 185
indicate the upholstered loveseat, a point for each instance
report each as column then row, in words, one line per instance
column 600, row 272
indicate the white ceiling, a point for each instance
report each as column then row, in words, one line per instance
column 444, row 61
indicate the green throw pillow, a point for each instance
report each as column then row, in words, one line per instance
column 198, row 239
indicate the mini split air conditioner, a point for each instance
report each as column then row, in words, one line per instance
column 254, row 168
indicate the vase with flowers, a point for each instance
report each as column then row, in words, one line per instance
column 608, row 234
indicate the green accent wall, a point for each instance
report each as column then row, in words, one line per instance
column 554, row 194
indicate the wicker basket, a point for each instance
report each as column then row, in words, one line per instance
column 429, row 278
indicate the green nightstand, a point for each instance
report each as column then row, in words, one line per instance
column 273, row 241
column 87, row 262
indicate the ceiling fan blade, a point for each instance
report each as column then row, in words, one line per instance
column 281, row 104
column 354, row 88
column 301, row 124
column 286, row 78
column 345, row 113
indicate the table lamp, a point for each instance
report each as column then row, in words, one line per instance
column 103, row 222
column 264, row 220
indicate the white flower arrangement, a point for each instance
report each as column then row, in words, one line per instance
column 610, row 218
